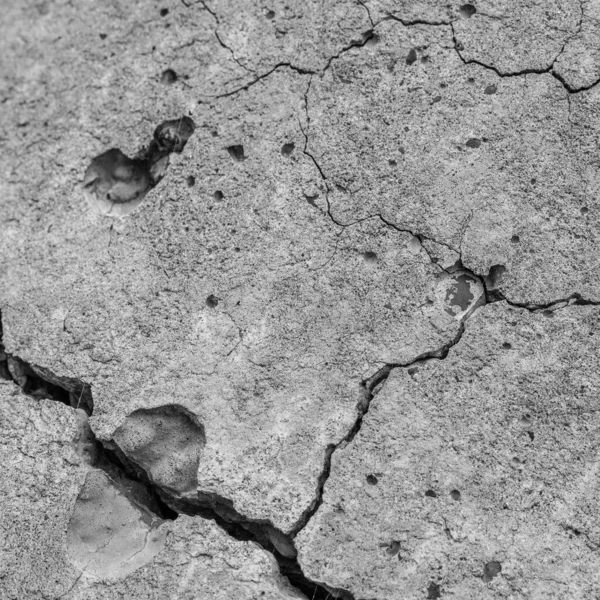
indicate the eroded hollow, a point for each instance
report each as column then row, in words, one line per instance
column 167, row 443
column 114, row 184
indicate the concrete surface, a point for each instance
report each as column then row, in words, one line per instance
column 367, row 186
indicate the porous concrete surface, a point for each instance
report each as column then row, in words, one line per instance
column 487, row 456
column 69, row 531
column 362, row 177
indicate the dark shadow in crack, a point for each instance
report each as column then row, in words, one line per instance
column 136, row 482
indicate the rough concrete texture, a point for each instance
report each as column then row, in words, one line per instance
column 358, row 179
column 70, row 531
column 487, row 456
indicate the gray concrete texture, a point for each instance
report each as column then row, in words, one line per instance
column 329, row 270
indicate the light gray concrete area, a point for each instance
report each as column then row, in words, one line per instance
column 301, row 299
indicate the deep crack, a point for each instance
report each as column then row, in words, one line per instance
column 39, row 383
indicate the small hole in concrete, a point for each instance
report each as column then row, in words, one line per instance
column 490, row 570
column 430, row 494
column 270, row 14
column 473, row 143
column 455, row 495
column 191, row 181
column 102, row 36
column 311, row 199
column 466, row 11
column 436, row 99
column 585, row 210
column 531, row 435
column 172, row 136
column 506, row 346
column 411, row 57
column 515, row 239
column 287, row 149
column 372, row 480
column 490, row 89
column 495, row 275
column 372, row 39
column 548, row 313
column 393, row 163
column 218, row 195
column 425, row 59
column 433, row 591
column 168, row 77
column 164, row 12
column 393, row 548
column 236, row 152
column 370, row 257
column 212, row 301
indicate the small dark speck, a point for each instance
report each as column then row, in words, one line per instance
column 164, row 12
column 212, row 301
column 473, row 143
column 102, row 36
column 393, row 163
column 506, row 346
column 287, row 149
column 490, row 570
column 411, row 57
column 433, row 591
column 466, row 11
column 168, row 77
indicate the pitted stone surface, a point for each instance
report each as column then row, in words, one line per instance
column 249, row 307
column 359, row 169
column 41, row 475
column 487, row 456
column 68, row 531
column 465, row 157
column 515, row 38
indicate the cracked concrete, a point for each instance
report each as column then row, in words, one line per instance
column 376, row 196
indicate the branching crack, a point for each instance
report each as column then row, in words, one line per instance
column 458, row 47
column 40, row 383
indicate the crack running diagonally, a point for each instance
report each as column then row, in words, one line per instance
column 39, row 383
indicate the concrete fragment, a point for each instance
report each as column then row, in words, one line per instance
column 476, row 473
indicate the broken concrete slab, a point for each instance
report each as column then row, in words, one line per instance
column 484, row 457
column 261, row 319
column 466, row 158
column 72, row 531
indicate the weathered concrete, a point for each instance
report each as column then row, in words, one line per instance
column 488, row 455
column 355, row 173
